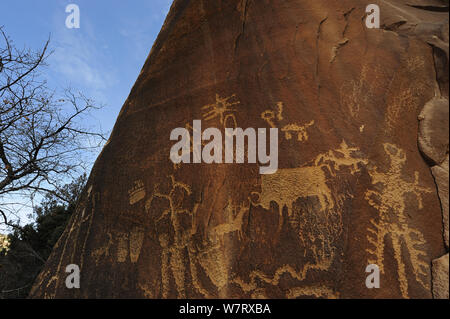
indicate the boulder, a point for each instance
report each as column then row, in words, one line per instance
column 351, row 189
column 440, row 173
column 433, row 130
column 440, row 277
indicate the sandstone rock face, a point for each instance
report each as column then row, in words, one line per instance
column 440, row 173
column 352, row 187
column 433, row 134
column 440, row 277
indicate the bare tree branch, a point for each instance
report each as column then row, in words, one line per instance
column 43, row 137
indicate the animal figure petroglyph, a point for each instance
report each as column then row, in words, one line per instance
column 287, row 185
column 301, row 130
column 318, row 230
column 302, row 134
column 390, row 202
column 342, row 156
column 207, row 258
column 235, row 222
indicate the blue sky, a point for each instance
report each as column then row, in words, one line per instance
column 102, row 58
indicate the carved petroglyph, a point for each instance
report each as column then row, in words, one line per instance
column 165, row 255
column 342, row 156
column 318, row 232
column 287, row 185
column 269, row 116
column 352, row 94
column 222, row 109
column 192, row 150
column 390, row 202
column 407, row 96
column 172, row 256
column 137, row 192
column 122, row 247
column 130, row 244
column 193, row 267
column 235, row 215
column 174, row 207
column 207, row 258
column 147, row 291
column 56, row 279
column 300, row 275
column 301, row 130
column 403, row 101
column 136, row 240
column 104, row 251
column 313, row 291
column 185, row 260
column 319, row 236
column 361, row 91
column 215, row 264
column 317, row 228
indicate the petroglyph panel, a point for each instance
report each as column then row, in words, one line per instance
column 287, row 185
column 145, row 227
column 173, row 251
column 391, row 203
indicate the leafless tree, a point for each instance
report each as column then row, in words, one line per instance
column 43, row 141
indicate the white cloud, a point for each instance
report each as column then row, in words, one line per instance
column 79, row 59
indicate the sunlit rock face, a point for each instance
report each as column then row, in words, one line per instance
column 352, row 188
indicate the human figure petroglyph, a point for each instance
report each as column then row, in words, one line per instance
column 207, row 257
column 342, row 156
column 269, row 116
column 182, row 257
column 172, row 254
column 390, row 202
column 223, row 109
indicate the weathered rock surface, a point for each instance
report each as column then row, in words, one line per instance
column 352, row 188
column 433, row 130
column 440, row 173
column 440, row 277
